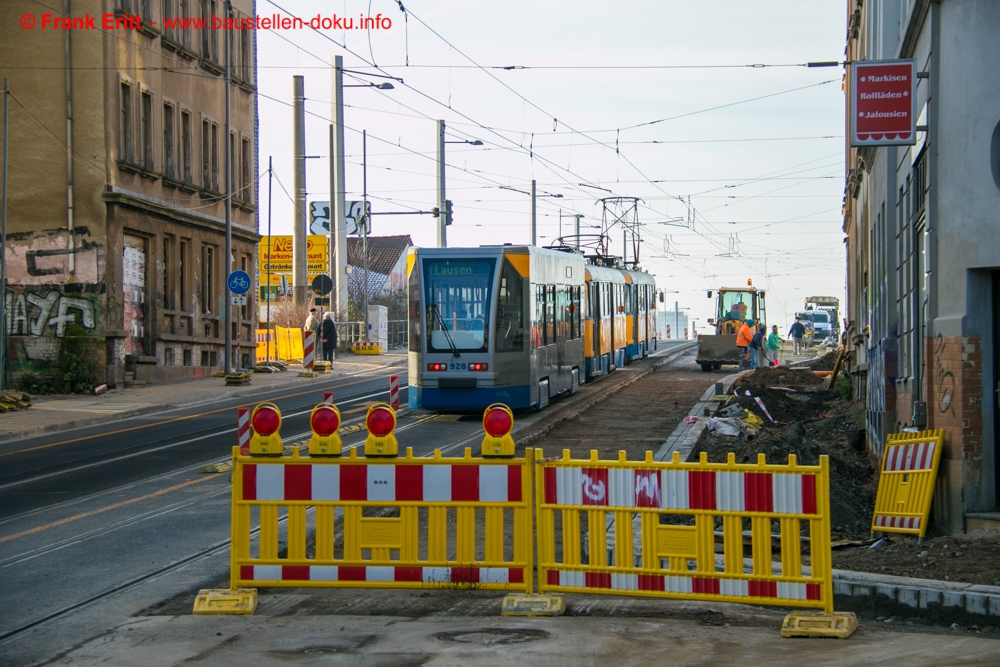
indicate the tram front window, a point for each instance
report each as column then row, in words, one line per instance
column 457, row 301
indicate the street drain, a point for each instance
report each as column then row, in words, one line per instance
column 493, row 636
column 322, row 649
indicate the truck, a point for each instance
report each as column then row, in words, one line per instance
column 831, row 306
column 733, row 306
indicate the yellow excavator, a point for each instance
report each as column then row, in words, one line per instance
column 734, row 305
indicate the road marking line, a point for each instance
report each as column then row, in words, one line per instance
column 123, row 503
column 167, row 421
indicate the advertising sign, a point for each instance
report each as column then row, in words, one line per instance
column 280, row 255
column 882, row 106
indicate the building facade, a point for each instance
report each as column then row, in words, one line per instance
column 117, row 182
column 923, row 293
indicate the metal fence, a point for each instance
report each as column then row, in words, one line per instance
column 354, row 332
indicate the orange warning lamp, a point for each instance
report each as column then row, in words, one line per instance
column 498, row 422
column 265, row 420
column 381, row 422
column 324, row 420
column 750, row 282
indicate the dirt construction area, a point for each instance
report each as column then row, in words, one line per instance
column 803, row 418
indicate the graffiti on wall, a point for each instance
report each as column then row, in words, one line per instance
column 47, row 314
column 42, row 258
column 944, row 380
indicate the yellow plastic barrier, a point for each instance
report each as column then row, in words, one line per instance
column 266, row 345
column 644, row 528
column 382, row 522
column 906, row 482
column 289, row 344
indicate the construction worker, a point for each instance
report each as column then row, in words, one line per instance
column 774, row 342
column 743, row 338
column 797, row 331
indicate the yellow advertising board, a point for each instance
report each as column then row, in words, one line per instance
column 279, row 255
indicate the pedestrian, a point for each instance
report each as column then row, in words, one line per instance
column 743, row 338
column 796, row 332
column 757, row 355
column 328, row 334
column 312, row 324
column 774, row 343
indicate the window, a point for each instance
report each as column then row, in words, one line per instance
column 246, row 55
column 246, row 162
column 184, row 168
column 169, row 12
column 182, row 272
column 207, row 278
column 574, row 312
column 550, row 314
column 168, row 141
column 563, row 315
column 233, row 165
column 125, row 128
column 169, row 273
column 206, row 152
column 146, row 11
column 146, row 128
column 215, row 157
column 458, row 298
column 209, row 43
column 510, row 310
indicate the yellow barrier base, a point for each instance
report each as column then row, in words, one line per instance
column 838, row 624
column 308, row 374
column 322, row 366
column 518, row 604
column 366, row 348
column 225, row 601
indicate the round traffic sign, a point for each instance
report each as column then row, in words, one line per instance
column 322, row 284
column 239, row 282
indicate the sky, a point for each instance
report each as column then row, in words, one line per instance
column 704, row 111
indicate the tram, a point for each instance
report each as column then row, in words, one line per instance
column 519, row 325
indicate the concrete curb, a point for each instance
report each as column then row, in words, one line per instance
column 932, row 601
column 538, row 425
column 8, row 436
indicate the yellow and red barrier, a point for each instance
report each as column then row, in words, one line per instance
column 906, row 482
column 664, row 517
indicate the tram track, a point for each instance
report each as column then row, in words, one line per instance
column 185, row 561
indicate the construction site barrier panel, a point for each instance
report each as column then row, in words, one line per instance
column 382, row 522
column 645, row 528
column 906, row 482
column 289, row 344
column 266, row 349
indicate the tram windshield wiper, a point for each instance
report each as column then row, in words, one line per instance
column 447, row 334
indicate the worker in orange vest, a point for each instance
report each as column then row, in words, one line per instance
column 743, row 338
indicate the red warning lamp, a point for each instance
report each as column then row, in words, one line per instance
column 498, row 422
column 266, row 423
column 325, row 422
column 381, row 422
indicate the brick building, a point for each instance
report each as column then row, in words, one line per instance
column 923, row 283
column 116, row 212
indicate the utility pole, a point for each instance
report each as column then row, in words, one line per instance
column 534, row 227
column 3, row 243
column 226, row 203
column 443, row 219
column 299, row 240
column 576, row 227
column 338, row 205
column 677, row 321
column 364, row 218
column 270, row 178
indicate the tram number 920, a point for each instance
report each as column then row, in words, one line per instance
column 456, row 367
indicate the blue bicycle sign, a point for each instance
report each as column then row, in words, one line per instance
column 239, row 282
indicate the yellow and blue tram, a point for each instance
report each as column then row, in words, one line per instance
column 519, row 324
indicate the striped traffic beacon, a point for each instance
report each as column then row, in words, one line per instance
column 324, row 420
column 308, row 350
column 243, row 430
column 266, row 423
column 394, row 391
column 381, row 422
column 498, row 422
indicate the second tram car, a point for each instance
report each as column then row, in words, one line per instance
column 519, row 325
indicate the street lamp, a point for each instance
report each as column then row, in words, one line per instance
column 444, row 217
column 338, row 205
